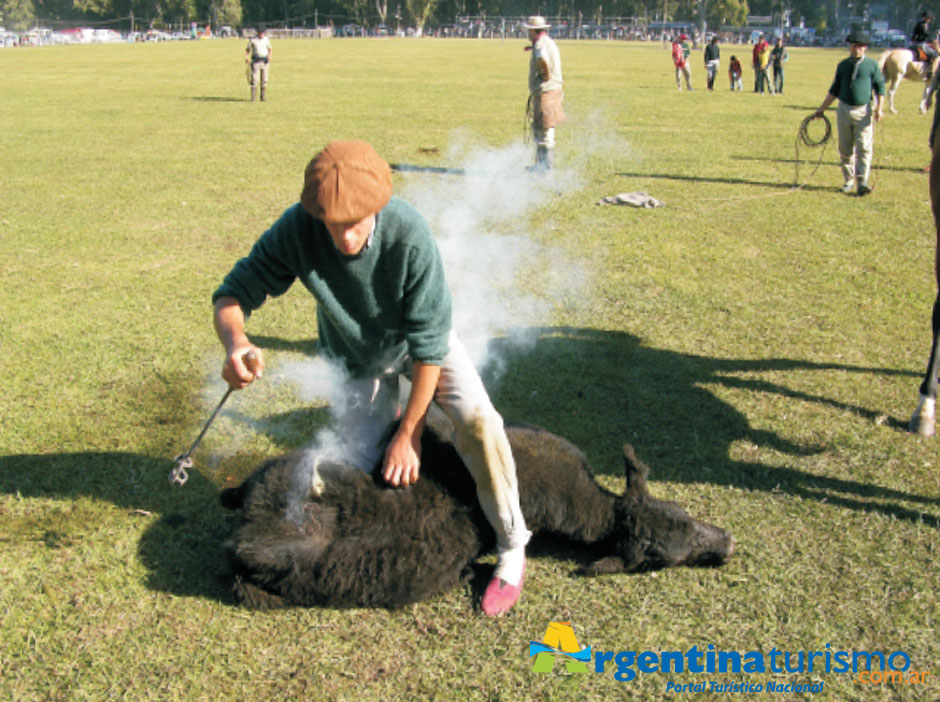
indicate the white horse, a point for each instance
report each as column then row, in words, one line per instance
column 896, row 64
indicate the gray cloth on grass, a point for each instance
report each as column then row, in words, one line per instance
column 639, row 199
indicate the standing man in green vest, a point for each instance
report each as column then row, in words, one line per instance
column 857, row 78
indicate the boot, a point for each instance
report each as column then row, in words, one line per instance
column 263, row 90
column 548, row 158
column 543, row 160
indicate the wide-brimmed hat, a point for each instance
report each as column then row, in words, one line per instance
column 536, row 22
column 858, row 36
column 346, row 182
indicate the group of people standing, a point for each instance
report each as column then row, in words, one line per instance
column 544, row 107
column 765, row 58
column 859, row 86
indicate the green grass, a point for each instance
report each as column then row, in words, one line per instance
column 760, row 346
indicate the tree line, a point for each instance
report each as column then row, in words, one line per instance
column 818, row 14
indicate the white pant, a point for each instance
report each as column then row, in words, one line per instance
column 856, row 138
column 544, row 137
column 373, row 404
column 687, row 73
column 711, row 68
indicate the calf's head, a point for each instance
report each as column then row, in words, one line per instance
column 651, row 533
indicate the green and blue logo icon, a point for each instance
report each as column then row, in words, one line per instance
column 559, row 642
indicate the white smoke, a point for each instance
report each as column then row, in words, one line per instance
column 480, row 217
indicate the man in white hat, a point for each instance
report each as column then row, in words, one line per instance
column 545, row 95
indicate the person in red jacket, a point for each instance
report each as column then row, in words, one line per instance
column 680, row 59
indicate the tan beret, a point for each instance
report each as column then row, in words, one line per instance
column 346, row 182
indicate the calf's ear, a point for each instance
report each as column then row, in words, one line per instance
column 636, row 471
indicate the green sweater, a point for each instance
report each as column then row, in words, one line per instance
column 372, row 307
column 855, row 87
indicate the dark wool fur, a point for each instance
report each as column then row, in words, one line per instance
column 362, row 544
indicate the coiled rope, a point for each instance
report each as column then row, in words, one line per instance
column 804, row 138
column 527, row 124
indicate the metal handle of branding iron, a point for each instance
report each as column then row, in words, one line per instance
column 179, row 475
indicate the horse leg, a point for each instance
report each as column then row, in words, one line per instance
column 892, row 89
column 927, row 98
column 924, row 418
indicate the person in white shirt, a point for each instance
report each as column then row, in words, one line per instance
column 545, row 95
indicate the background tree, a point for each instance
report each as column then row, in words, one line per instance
column 231, row 13
column 726, row 13
column 17, row 15
column 420, row 11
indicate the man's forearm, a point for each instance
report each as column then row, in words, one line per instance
column 828, row 100
column 424, row 378
column 229, row 322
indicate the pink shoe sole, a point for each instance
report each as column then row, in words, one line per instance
column 500, row 596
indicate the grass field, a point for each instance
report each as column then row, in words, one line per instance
column 760, row 346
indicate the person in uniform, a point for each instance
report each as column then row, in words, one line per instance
column 383, row 310
column 258, row 56
column 545, row 94
column 857, row 77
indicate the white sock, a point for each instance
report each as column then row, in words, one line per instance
column 509, row 567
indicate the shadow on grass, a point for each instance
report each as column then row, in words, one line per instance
column 777, row 185
column 181, row 548
column 874, row 167
column 307, row 347
column 209, row 98
column 600, row 389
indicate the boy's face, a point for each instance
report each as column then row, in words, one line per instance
column 349, row 238
column 857, row 50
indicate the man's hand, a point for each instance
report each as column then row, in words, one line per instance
column 403, row 459
column 243, row 364
column 239, row 370
column 403, row 456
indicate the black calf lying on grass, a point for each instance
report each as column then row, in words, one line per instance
column 354, row 542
